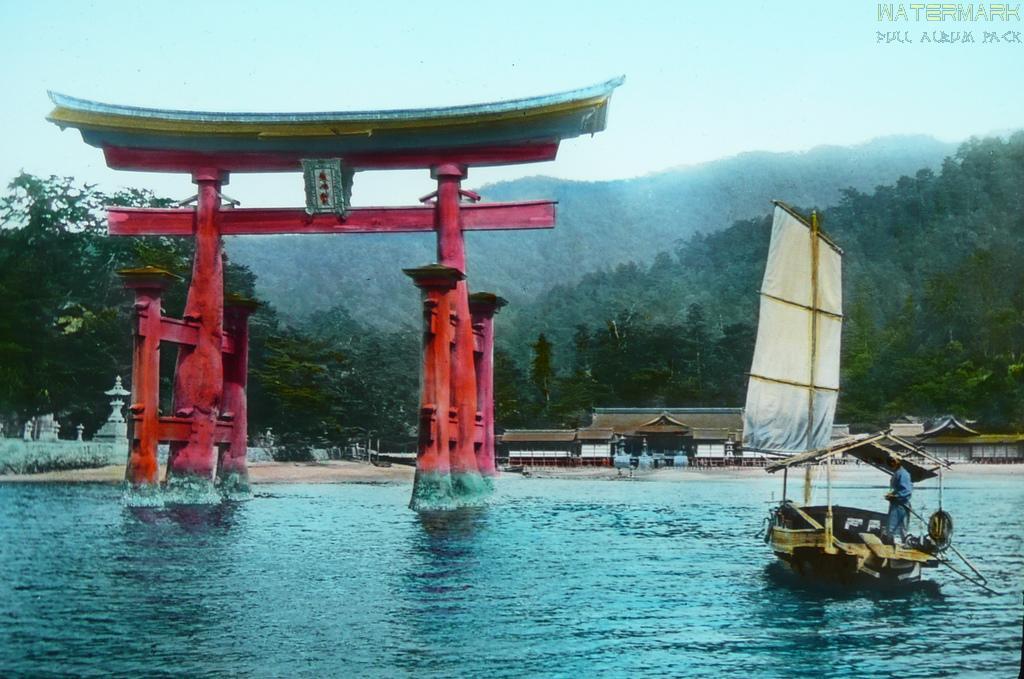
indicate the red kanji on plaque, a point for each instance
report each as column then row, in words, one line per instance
column 324, row 189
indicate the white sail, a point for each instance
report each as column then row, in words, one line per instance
column 794, row 378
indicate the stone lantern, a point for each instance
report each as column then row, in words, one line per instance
column 115, row 428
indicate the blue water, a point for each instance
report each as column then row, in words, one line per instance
column 555, row 579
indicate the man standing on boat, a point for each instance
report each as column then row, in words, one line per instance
column 900, row 490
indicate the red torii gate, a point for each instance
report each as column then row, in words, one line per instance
column 455, row 461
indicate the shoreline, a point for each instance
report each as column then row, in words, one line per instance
column 331, row 471
column 707, row 473
column 344, row 471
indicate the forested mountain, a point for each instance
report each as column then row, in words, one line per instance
column 933, row 295
column 600, row 224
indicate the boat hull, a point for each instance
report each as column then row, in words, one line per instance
column 857, row 554
column 844, row 569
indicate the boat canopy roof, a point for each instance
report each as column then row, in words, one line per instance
column 548, row 118
column 875, row 450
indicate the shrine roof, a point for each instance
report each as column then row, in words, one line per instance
column 973, row 439
column 538, row 435
column 592, row 434
column 534, row 120
column 947, row 426
column 628, row 420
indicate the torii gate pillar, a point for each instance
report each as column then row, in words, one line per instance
column 432, row 488
column 149, row 284
column 467, row 483
column 198, row 380
column 232, row 472
column 483, row 306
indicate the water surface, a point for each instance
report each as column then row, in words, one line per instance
column 554, row 579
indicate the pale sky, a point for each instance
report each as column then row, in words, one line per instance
column 704, row 80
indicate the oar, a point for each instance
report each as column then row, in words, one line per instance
column 981, row 582
column 968, row 562
column 955, row 551
column 947, row 564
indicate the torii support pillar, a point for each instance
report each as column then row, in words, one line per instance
column 198, row 379
column 483, row 306
column 232, row 472
column 432, row 487
column 148, row 284
column 468, row 485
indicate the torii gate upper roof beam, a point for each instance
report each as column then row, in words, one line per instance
column 513, row 131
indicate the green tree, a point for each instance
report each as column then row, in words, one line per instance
column 64, row 316
column 542, row 369
column 512, row 402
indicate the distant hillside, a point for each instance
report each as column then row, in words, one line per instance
column 933, row 299
column 600, row 224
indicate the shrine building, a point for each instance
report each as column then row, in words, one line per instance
column 952, row 439
column 705, row 436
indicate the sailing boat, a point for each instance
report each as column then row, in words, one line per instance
column 791, row 402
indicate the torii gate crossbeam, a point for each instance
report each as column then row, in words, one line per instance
column 262, row 222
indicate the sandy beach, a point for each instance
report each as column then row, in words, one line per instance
column 342, row 471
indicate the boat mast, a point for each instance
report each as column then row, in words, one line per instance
column 830, row 547
column 814, row 347
column 814, row 326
